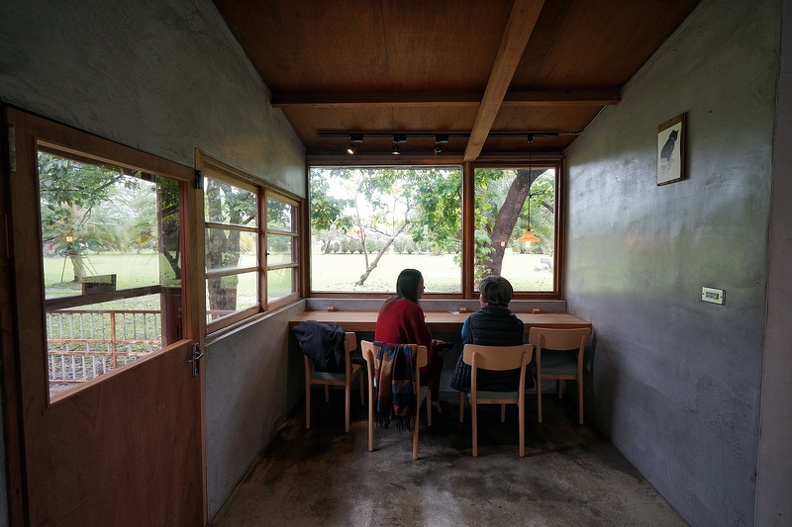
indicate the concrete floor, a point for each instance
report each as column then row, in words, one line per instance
column 570, row 476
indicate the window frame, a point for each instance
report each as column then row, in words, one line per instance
column 209, row 167
column 468, row 287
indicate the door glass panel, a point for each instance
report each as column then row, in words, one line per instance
column 112, row 266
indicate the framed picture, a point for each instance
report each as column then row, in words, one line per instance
column 671, row 150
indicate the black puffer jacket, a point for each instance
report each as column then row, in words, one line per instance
column 491, row 326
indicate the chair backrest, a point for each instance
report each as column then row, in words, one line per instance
column 497, row 358
column 559, row 338
column 369, row 351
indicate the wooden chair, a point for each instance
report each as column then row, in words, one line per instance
column 422, row 393
column 496, row 358
column 345, row 378
column 559, row 356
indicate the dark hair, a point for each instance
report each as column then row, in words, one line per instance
column 496, row 290
column 407, row 284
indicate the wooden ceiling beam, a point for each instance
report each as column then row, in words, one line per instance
column 518, row 31
column 445, row 99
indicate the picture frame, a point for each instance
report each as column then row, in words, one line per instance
column 671, row 150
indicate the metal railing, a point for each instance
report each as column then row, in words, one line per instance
column 84, row 344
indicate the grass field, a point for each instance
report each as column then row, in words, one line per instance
column 339, row 272
column 331, row 272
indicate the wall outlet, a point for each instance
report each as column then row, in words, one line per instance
column 714, row 296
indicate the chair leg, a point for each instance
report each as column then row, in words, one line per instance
column 371, row 419
column 308, row 404
column 474, row 423
column 580, row 397
column 461, row 406
column 503, row 412
column 327, row 393
column 560, row 388
column 539, row 400
column 417, row 424
column 347, row 402
column 521, row 420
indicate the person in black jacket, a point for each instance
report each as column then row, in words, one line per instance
column 492, row 325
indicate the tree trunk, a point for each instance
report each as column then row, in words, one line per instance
column 507, row 218
column 376, row 260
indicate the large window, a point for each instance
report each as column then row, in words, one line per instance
column 251, row 264
column 515, row 226
column 369, row 223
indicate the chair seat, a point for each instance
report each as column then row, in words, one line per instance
column 557, row 364
column 336, row 376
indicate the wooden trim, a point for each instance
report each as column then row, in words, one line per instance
column 468, row 99
column 518, row 31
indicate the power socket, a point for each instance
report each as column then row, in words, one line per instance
column 714, row 296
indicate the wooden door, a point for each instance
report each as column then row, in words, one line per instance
column 125, row 447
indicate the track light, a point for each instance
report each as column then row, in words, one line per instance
column 353, row 140
column 397, row 140
column 440, row 139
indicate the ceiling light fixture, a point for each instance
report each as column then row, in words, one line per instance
column 529, row 237
column 440, row 139
column 353, row 140
column 398, row 139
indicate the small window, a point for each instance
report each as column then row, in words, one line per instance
column 251, row 245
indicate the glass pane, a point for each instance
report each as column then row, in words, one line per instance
column 279, row 215
column 280, row 249
column 224, row 203
column 86, row 342
column 106, row 229
column 230, row 249
column 228, row 294
column 368, row 224
column 280, row 283
column 515, row 226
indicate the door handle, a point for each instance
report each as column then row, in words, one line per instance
column 197, row 355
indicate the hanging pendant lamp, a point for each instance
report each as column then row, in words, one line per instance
column 529, row 237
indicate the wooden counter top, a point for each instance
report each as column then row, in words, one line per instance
column 436, row 320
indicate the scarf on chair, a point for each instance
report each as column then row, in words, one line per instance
column 394, row 367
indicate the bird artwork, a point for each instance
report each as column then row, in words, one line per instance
column 668, row 147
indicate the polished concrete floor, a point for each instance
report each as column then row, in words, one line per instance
column 570, row 475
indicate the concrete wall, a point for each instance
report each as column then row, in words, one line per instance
column 774, row 471
column 676, row 381
column 167, row 77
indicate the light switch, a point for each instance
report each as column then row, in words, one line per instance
column 714, row 296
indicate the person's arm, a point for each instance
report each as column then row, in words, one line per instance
column 466, row 330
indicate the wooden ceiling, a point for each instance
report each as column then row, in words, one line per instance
column 485, row 72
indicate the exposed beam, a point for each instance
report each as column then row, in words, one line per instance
column 445, row 99
column 518, row 30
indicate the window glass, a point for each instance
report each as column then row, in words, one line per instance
column 369, row 223
column 231, row 248
column 515, row 226
column 112, row 266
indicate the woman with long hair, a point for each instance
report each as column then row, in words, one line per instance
column 401, row 320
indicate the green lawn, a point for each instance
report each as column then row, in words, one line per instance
column 331, row 272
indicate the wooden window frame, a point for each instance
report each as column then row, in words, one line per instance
column 468, row 287
column 209, row 167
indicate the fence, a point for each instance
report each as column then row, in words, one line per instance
column 85, row 344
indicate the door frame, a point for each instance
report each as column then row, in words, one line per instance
column 13, row 331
